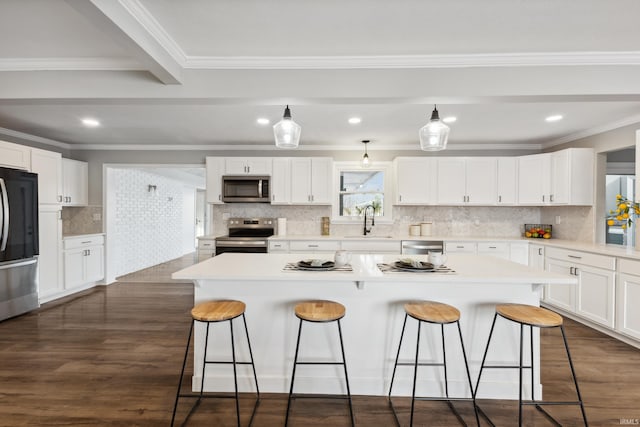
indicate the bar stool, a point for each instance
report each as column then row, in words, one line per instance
column 540, row 318
column 440, row 314
column 214, row 312
column 319, row 311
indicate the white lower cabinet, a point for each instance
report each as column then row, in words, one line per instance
column 206, row 248
column 83, row 259
column 465, row 247
column 313, row 246
column 372, row 247
column 628, row 298
column 594, row 297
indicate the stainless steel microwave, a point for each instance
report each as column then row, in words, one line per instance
column 246, row 189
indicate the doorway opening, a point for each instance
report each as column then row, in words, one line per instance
column 620, row 180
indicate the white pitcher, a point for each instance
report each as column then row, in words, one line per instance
column 342, row 258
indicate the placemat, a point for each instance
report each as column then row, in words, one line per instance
column 390, row 268
column 292, row 266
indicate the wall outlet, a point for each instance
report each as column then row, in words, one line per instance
column 97, row 216
column 476, row 222
column 226, row 215
column 558, row 219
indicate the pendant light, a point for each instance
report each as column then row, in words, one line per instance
column 366, row 162
column 286, row 131
column 434, row 135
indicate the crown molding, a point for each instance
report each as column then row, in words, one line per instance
column 414, row 61
column 69, row 64
column 593, row 131
column 34, row 138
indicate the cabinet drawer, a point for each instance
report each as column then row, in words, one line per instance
column 492, row 247
column 279, row 246
column 314, row 245
column 468, row 247
column 79, row 242
column 629, row 266
column 206, row 244
column 586, row 258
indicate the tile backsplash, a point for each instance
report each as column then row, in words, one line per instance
column 81, row 220
column 448, row 221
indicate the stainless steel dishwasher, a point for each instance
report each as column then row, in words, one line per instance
column 421, row 246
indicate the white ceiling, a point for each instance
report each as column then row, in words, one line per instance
column 196, row 74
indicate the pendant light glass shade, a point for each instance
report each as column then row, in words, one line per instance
column 434, row 135
column 287, row 132
column 366, row 162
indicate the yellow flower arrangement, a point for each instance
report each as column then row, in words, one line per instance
column 624, row 212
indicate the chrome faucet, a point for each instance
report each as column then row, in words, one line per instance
column 373, row 221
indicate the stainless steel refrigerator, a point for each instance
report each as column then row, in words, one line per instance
column 18, row 242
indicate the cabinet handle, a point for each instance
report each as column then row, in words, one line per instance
column 543, row 198
column 84, row 243
column 400, row 197
column 219, row 196
column 60, row 199
column 575, row 271
column 273, row 197
column 312, row 246
column 540, row 251
column 551, row 198
column 460, row 247
column 571, row 271
column 493, row 247
column 248, row 169
column 206, row 244
column 312, row 198
column 88, row 252
column 574, row 256
column 499, row 199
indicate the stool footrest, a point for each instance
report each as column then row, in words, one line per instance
column 318, row 396
column 319, row 363
column 227, row 362
column 419, row 364
column 209, row 395
column 506, row 367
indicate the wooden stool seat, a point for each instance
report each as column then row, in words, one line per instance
column 529, row 315
column 319, row 311
column 217, row 311
column 432, row 312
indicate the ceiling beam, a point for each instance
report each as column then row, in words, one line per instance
column 129, row 24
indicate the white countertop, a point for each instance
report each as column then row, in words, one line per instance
column 468, row 268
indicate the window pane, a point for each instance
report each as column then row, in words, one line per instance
column 359, row 189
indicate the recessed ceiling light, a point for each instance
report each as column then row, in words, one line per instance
column 554, row 118
column 355, row 120
column 263, row 121
column 92, row 123
column 449, row 119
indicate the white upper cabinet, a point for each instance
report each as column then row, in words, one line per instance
column 469, row 181
column 572, row 176
column 507, row 180
column 281, row 181
column 248, row 165
column 563, row 177
column 415, row 180
column 15, row 156
column 311, row 180
column 534, row 179
column 215, row 169
column 75, row 183
column 48, row 166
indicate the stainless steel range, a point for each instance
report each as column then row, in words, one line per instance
column 248, row 235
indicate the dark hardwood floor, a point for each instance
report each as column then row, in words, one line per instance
column 111, row 356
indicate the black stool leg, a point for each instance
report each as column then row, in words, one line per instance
column 573, row 374
column 204, row 361
column 398, row 354
column 346, row 377
column 466, row 365
column 293, row 374
column 444, row 362
column 255, row 376
column 184, row 364
column 415, row 375
column 484, row 358
column 235, row 373
column 520, row 378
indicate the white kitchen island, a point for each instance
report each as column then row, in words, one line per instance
column 372, row 325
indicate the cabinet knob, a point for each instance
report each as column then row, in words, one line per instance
column 551, row 198
column 499, row 199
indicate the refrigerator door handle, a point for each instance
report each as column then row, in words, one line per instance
column 5, row 216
